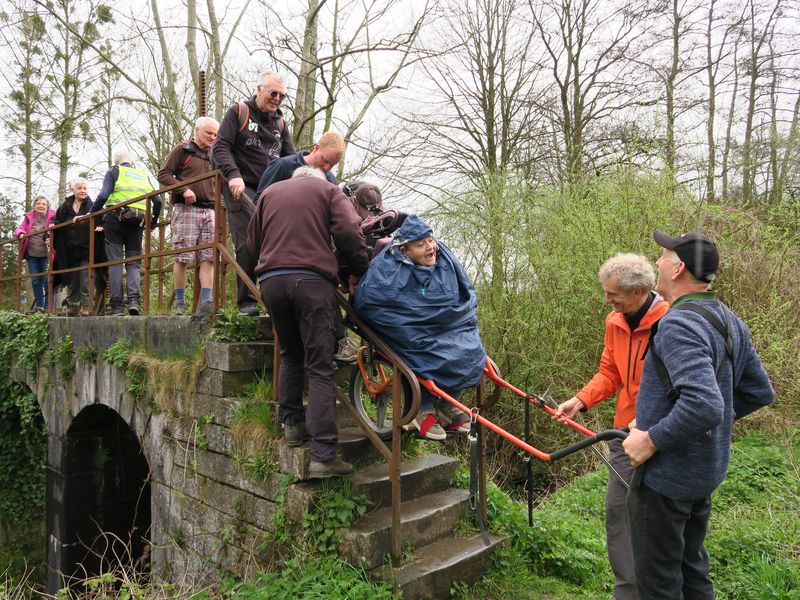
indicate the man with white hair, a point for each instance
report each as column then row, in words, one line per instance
column 628, row 281
column 290, row 232
column 124, row 226
column 192, row 211
column 252, row 134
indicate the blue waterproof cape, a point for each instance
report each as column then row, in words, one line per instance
column 427, row 315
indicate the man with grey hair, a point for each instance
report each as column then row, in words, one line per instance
column 124, row 226
column 252, row 134
column 193, row 222
column 628, row 281
column 291, row 233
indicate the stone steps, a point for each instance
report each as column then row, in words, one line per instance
column 426, row 475
column 429, row 513
column 436, row 567
column 422, row 521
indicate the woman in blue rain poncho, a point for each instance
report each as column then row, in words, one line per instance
column 418, row 297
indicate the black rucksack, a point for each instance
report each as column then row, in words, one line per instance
column 724, row 330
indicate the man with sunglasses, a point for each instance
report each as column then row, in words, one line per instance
column 252, row 135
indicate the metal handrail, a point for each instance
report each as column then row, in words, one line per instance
column 392, row 456
column 221, row 256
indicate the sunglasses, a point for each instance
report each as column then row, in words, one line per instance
column 277, row 95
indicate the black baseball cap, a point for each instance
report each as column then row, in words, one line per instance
column 695, row 250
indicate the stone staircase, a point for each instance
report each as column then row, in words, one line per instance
column 434, row 558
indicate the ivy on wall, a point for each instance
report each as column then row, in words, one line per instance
column 23, row 438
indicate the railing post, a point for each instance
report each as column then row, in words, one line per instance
column 146, row 275
column 19, row 275
column 217, row 290
column 91, row 291
column 161, row 260
column 394, row 466
column 480, row 401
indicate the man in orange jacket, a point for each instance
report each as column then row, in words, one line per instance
column 628, row 281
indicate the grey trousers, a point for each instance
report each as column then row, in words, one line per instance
column 123, row 240
column 618, row 532
column 668, row 541
column 239, row 214
column 78, row 287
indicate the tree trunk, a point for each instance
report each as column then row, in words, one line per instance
column 669, row 150
column 304, row 113
column 711, row 72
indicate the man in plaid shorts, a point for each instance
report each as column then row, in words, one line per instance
column 192, row 211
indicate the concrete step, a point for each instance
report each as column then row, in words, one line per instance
column 436, row 567
column 426, row 475
column 422, row 521
column 354, row 447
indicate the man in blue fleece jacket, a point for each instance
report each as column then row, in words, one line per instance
column 681, row 443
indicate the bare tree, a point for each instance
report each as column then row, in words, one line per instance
column 21, row 117
column 758, row 37
column 340, row 58
column 71, row 73
column 715, row 53
column 587, row 49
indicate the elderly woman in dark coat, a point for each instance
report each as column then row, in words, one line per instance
column 72, row 246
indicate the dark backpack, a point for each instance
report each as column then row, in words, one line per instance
column 741, row 406
column 724, row 330
column 378, row 228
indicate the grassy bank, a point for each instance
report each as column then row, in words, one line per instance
column 753, row 533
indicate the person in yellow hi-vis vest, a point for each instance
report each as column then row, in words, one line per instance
column 124, row 226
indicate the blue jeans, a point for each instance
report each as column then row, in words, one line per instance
column 38, row 264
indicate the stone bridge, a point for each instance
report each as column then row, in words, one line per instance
column 155, row 473
column 131, row 481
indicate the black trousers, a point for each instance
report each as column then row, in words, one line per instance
column 303, row 307
column 670, row 560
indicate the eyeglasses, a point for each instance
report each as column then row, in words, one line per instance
column 275, row 95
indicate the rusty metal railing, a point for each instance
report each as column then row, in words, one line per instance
column 221, row 256
column 222, row 259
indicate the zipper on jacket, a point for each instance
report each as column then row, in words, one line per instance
column 636, row 357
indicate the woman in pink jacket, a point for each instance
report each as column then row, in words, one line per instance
column 34, row 249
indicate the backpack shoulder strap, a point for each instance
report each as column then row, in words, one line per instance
column 661, row 369
column 724, row 330
column 243, row 114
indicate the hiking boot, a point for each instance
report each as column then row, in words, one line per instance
column 346, row 351
column 74, row 310
column 335, row 468
column 206, row 309
column 133, row 309
column 429, row 428
column 295, row 435
column 180, row 308
column 85, row 311
column 116, row 311
column 452, row 419
column 249, row 310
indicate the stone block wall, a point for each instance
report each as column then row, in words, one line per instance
column 206, row 515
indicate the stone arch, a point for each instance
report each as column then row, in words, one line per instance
column 98, row 499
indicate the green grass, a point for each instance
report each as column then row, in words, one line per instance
column 752, row 540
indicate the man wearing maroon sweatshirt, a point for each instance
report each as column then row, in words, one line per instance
column 290, row 233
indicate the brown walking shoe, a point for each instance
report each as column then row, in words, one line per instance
column 334, row 468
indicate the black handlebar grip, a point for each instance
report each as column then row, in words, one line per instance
column 608, row 434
